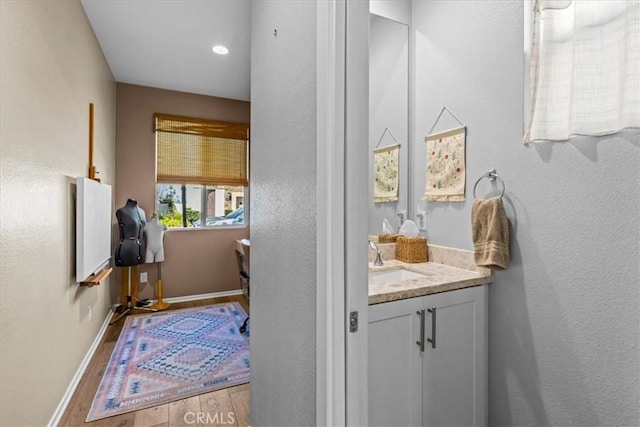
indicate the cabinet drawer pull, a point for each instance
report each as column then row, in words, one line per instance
column 432, row 340
column 421, row 342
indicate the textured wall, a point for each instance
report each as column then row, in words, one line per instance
column 51, row 69
column 564, row 318
column 196, row 261
column 283, row 195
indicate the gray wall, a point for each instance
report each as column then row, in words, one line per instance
column 564, row 317
column 283, row 195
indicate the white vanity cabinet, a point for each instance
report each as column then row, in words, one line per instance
column 395, row 364
column 446, row 384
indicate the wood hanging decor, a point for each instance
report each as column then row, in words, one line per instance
column 100, row 276
column 92, row 169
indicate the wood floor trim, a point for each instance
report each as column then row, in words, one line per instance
column 75, row 381
column 188, row 298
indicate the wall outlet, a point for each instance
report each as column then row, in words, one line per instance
column 402, row 215
column 143, row 277
column 421, row 218
column 89, row 313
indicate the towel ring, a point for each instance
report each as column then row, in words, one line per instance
column 491, row 175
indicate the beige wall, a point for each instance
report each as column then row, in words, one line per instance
column 196, row 261
column 51, row 69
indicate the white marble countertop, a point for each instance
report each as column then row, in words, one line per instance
column 439, row 278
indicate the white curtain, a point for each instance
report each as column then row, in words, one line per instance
column 585, row 68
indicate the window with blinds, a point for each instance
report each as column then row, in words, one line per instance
column 201, row 171
column 199, row 151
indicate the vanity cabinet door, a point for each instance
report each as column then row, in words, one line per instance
column 455, row 371
column 395, row 364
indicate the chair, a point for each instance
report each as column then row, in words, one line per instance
column 242, row 249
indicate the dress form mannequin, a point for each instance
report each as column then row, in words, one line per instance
column 130, row 253
column 154, row 232
column 131, row 220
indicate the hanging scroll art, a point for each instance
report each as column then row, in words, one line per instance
column 385, row 174
column 386, row 170
column 446, row 166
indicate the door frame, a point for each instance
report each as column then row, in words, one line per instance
column 330, row 305
column 342, row 180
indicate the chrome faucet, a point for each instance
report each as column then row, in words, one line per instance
column 378, row 261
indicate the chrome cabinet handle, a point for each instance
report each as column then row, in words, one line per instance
column 432, row 340
column 421, row 342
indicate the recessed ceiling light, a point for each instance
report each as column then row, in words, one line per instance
column 220, row 50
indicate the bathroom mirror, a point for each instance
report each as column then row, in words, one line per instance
column 388, row 110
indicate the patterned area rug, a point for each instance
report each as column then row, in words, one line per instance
column 166, row 356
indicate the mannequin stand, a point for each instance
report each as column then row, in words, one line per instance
column 160, row 305
column 131, row 305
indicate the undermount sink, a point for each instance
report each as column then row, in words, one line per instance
column 393, row 276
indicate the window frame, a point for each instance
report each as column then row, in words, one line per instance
column 228, row 130
column 203, row 197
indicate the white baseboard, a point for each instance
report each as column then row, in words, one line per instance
column 62, row 406
column 202, row 296
column 66, row 398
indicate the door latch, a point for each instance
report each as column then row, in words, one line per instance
column 353, row 321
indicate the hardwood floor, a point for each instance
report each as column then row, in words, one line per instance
column 228, row 407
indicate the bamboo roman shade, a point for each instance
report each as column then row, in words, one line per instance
column 199, row 151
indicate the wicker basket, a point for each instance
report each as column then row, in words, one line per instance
column 411, row 249
column 387, row 238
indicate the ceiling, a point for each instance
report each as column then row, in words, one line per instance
column 167, row 43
